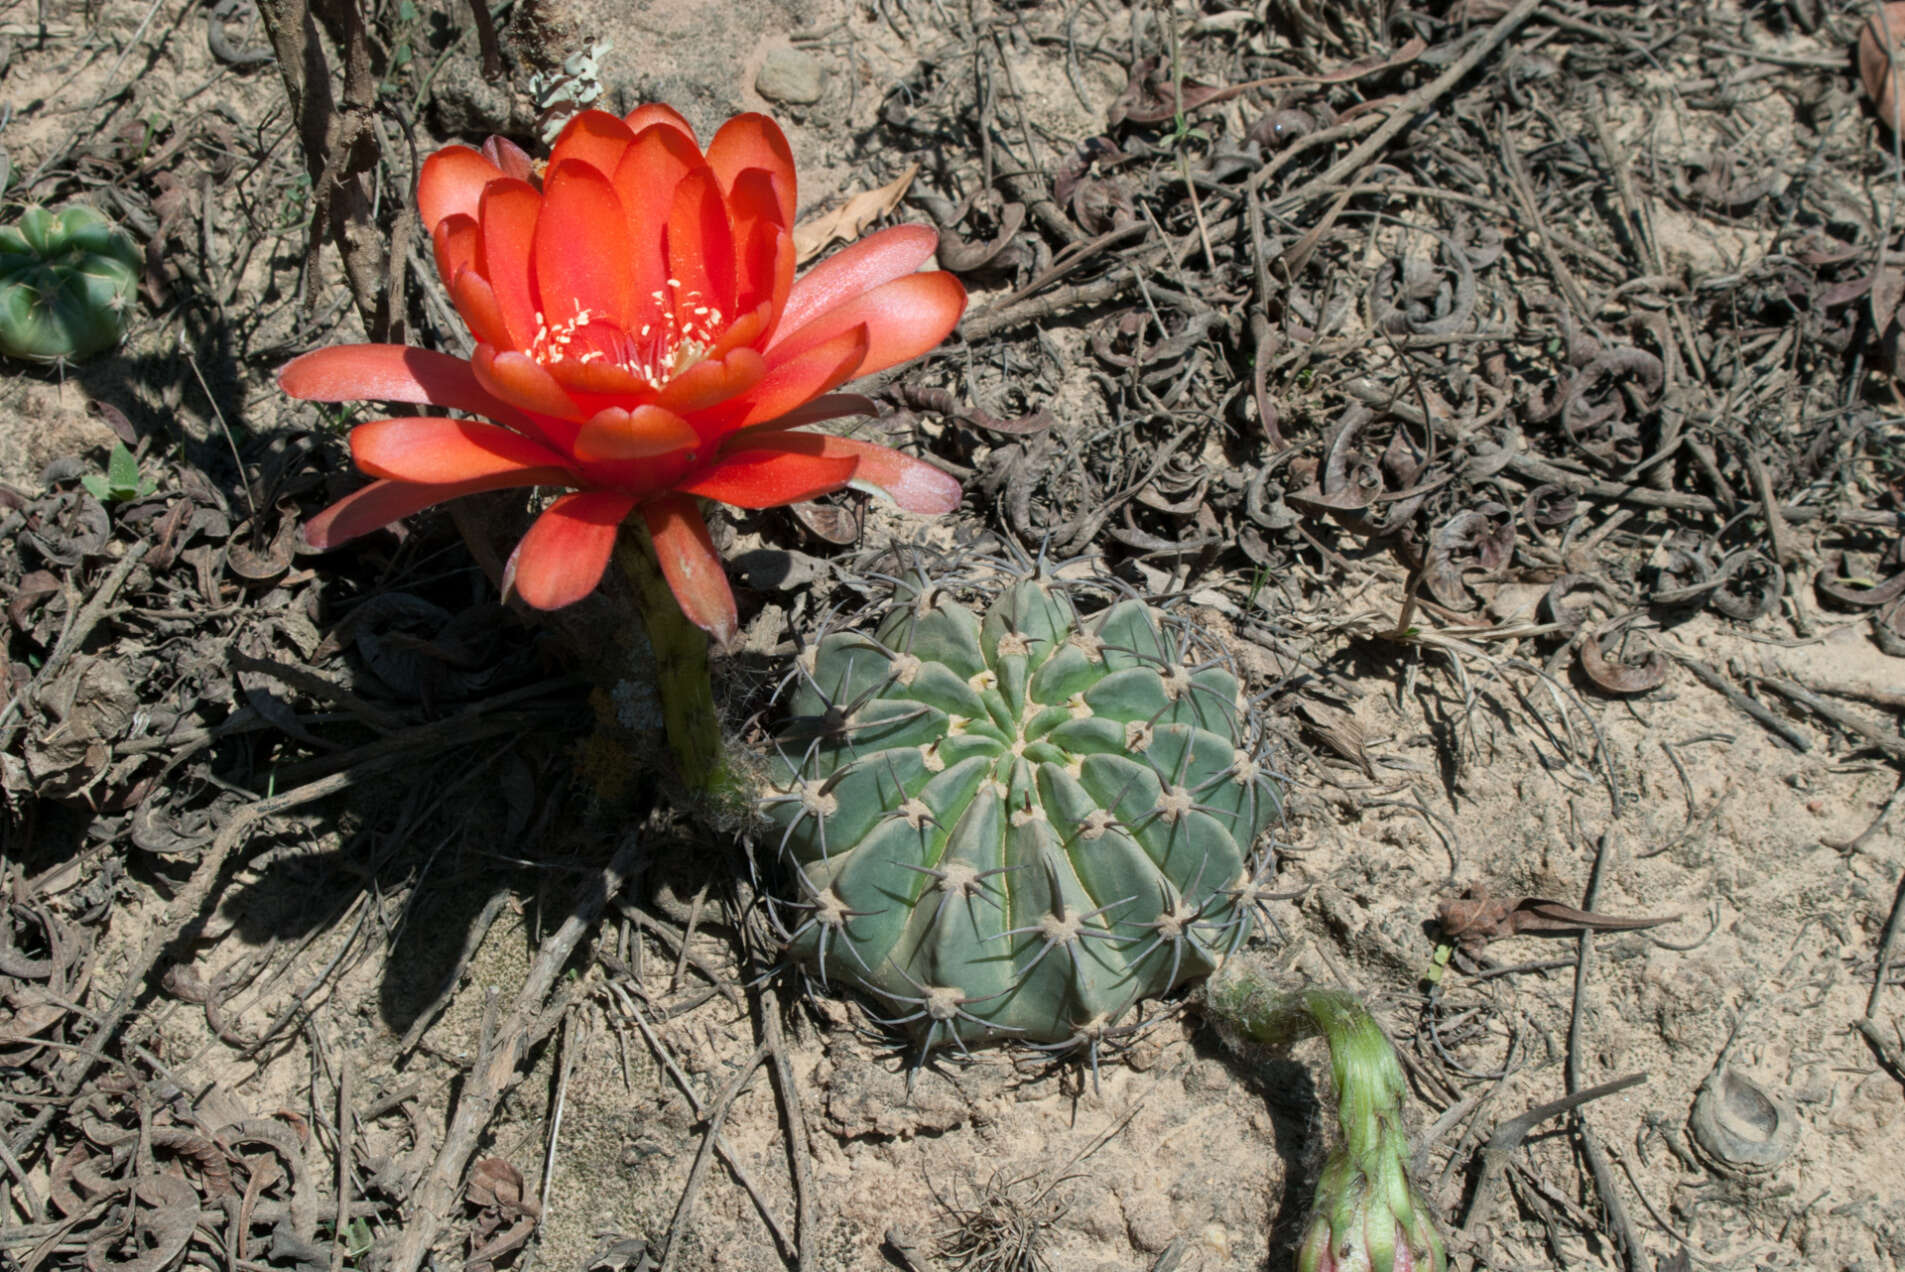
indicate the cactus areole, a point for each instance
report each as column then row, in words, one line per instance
column 1019, row 824
column 68, row 281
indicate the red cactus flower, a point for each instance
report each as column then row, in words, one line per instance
column 642, row 340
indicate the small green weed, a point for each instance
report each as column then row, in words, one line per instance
column 121, row 482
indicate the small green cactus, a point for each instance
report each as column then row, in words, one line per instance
column 67, row 284
column 1020, row 824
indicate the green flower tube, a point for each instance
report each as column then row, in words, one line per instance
column 68, row 281
column 1367, row 1217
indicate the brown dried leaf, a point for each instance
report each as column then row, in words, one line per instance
column 1475, row 919
column 28, row 593
column 1338, row 730
column 1888, row 288
column 830, row 523
column 852, row 219
column 162, row 1229
column 1879, row 39
column 261, row 563
column 1889, row 629
column 1835, row 584
column 497, row 1185
column 1621, row 676
column 67, row 528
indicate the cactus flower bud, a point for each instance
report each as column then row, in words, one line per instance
column 1365, row 1223
column 1367, row 1216
column 67, row 282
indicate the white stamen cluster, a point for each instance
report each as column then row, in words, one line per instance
column 656, row 353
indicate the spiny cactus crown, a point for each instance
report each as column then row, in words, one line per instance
column 1023, row 823
column 67, row 284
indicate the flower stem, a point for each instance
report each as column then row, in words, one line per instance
column 681, row 672
column 1367, row 1214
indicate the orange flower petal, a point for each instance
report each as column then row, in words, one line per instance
column 507, row 221
column 438, row 452
column 710, row 382
column 876, row 259
column 903, row 319
column 654, row 114
column 452, row 182
column 755, row 142
column 764, row 248
column 913, row 484
column 454, row 245
column 749, row 329
column 482, row 314
column 700, row 245
column 594, row 137
column 691, row 565
column 789, row 468
column 828, row 406
column 614, row 435
column 581, row 248
column 803, row 378
column 645, row 182
column 600, row 378
column 523, row 382
column 561, row 559
column 382, row 502
column 390, row 373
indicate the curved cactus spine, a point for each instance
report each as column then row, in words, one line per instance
column 1020, row 822
column 67, row 284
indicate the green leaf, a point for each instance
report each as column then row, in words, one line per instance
column 96, row 487
column 122, row 470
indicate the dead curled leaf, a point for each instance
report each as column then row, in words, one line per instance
column 159, row 1231
column 1839, row 583
column 508, row 1215
column 1889, row 629
column 1340, row 731
column 258, row 560
column 1475, row 918
column 851, row 219
column 1879, row 39
column 1622, row 673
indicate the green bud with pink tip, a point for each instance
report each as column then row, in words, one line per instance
column 1367, row 1216
column 68, row 283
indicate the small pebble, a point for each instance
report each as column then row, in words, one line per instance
column 791, row 76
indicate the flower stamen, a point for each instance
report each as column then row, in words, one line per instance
column 658, row 353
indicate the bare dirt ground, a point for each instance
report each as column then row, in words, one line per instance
column 1510, row 385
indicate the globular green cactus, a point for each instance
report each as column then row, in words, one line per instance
column 1020, row 824
column 67, row 284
